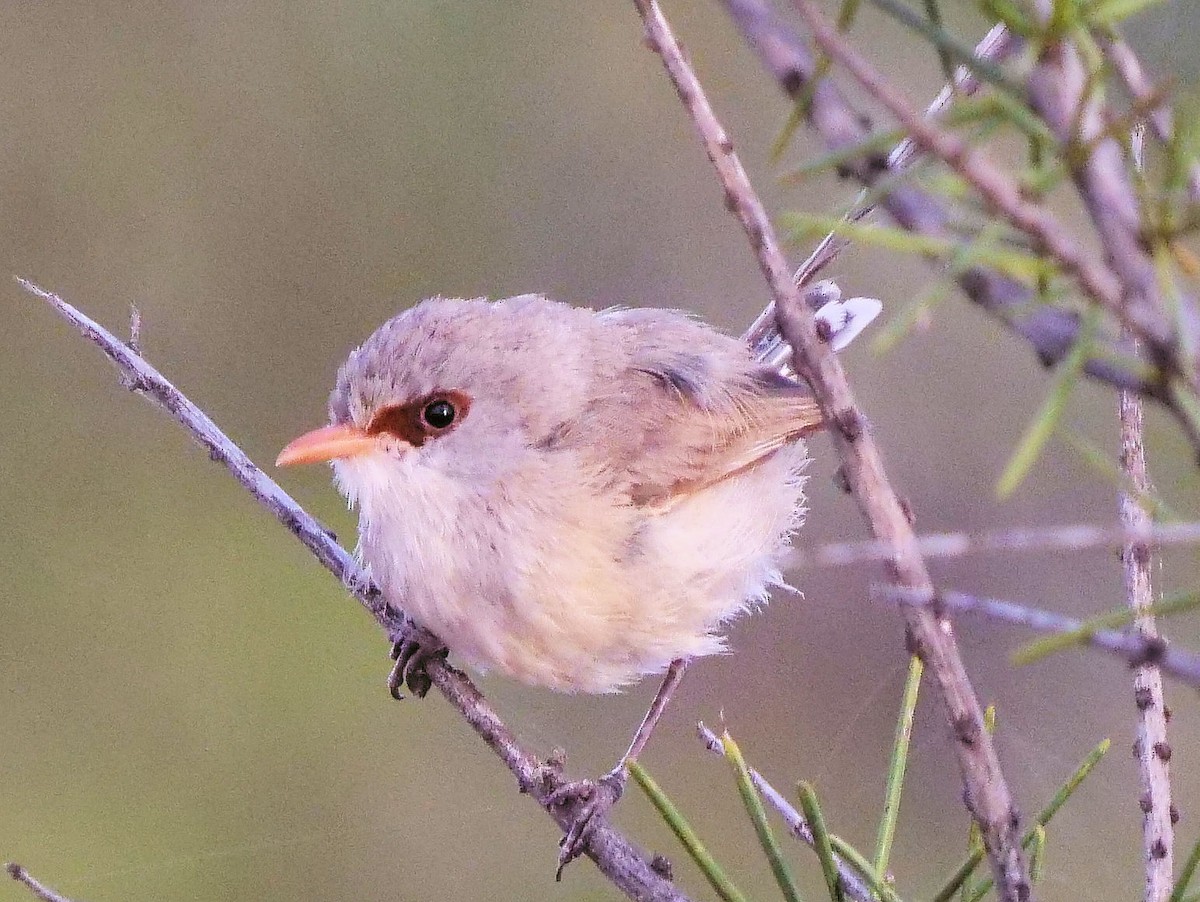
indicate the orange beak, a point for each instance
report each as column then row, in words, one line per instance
column 326, row 443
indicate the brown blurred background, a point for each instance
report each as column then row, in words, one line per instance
column 193, row 709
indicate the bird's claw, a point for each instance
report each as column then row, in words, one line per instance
column 598, row 798
column 412, row 653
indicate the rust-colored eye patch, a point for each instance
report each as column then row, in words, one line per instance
column 416, row 421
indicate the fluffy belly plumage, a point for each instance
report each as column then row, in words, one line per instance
column 556, row 593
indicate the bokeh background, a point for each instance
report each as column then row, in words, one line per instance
column 193, row 709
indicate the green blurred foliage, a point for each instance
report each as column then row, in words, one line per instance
column 193, row 710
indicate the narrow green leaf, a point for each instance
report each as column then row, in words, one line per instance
column 1185, row 876
column 878, row 882
column 1037, row 854
column 1103, row 464
column 875, row 144
column 1177, row 603
column 1111, row 12
column 824, row 849
column 758, row 816
column 934, row 14
column 1060, row 799
column 1046, row 421
column 984, row 70
column 805, row 227
column 1014, row 17
column 687, row 836
column 780, row 145
column 964, row 871
column 898, row 765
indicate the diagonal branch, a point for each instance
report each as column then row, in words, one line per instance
column 618, row 859
column 985, row 791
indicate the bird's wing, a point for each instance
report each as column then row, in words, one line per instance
column 686, row 408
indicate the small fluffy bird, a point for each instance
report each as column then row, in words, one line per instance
column 573, row 498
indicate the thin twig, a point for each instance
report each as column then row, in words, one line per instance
column 1071, row 537
column 852, row 883
column 1133, row 647
column 39, row 889
column 985, row 789
column 618, row 859
column 1154, row 773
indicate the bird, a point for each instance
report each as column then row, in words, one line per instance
column 573, row 498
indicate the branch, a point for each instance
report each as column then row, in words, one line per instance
column 618, row 859
column 1154, row 775
column 1050, row 330
column 39, row 889
column 1062, row 93
column 1073, row 537
column 985, row 789
column 1126, row 64
column 852, row 884
column 1136, row 649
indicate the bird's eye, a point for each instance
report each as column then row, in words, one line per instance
column 439, row 414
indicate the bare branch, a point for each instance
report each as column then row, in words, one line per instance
column 1154, row 775
column 1071, row 537
column 39, row 889
column 852, row 883
column 985, row 788
column 1134, row 648
column 618, row 859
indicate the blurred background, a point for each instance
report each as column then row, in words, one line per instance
column 193, row 709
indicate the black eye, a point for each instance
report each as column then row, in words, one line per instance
column 438, row 414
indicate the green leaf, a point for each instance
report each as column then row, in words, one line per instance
column 805, row 227
column 984, row 70
column 758, row 816
column 898, row 765
column 1176, row 603
column 1037, row 854
column 687, row 836
column 1046, row 421
column 821, row 841
column 1110, row 12
column 1185, row 876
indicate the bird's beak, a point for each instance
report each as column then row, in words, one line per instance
column 326, row 443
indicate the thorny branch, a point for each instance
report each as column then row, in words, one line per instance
column 986, row 791
column 1135, row 648
column 618, row 859
column 1051, row 330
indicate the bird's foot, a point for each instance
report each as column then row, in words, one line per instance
column 598, row 797
column 412, row 653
